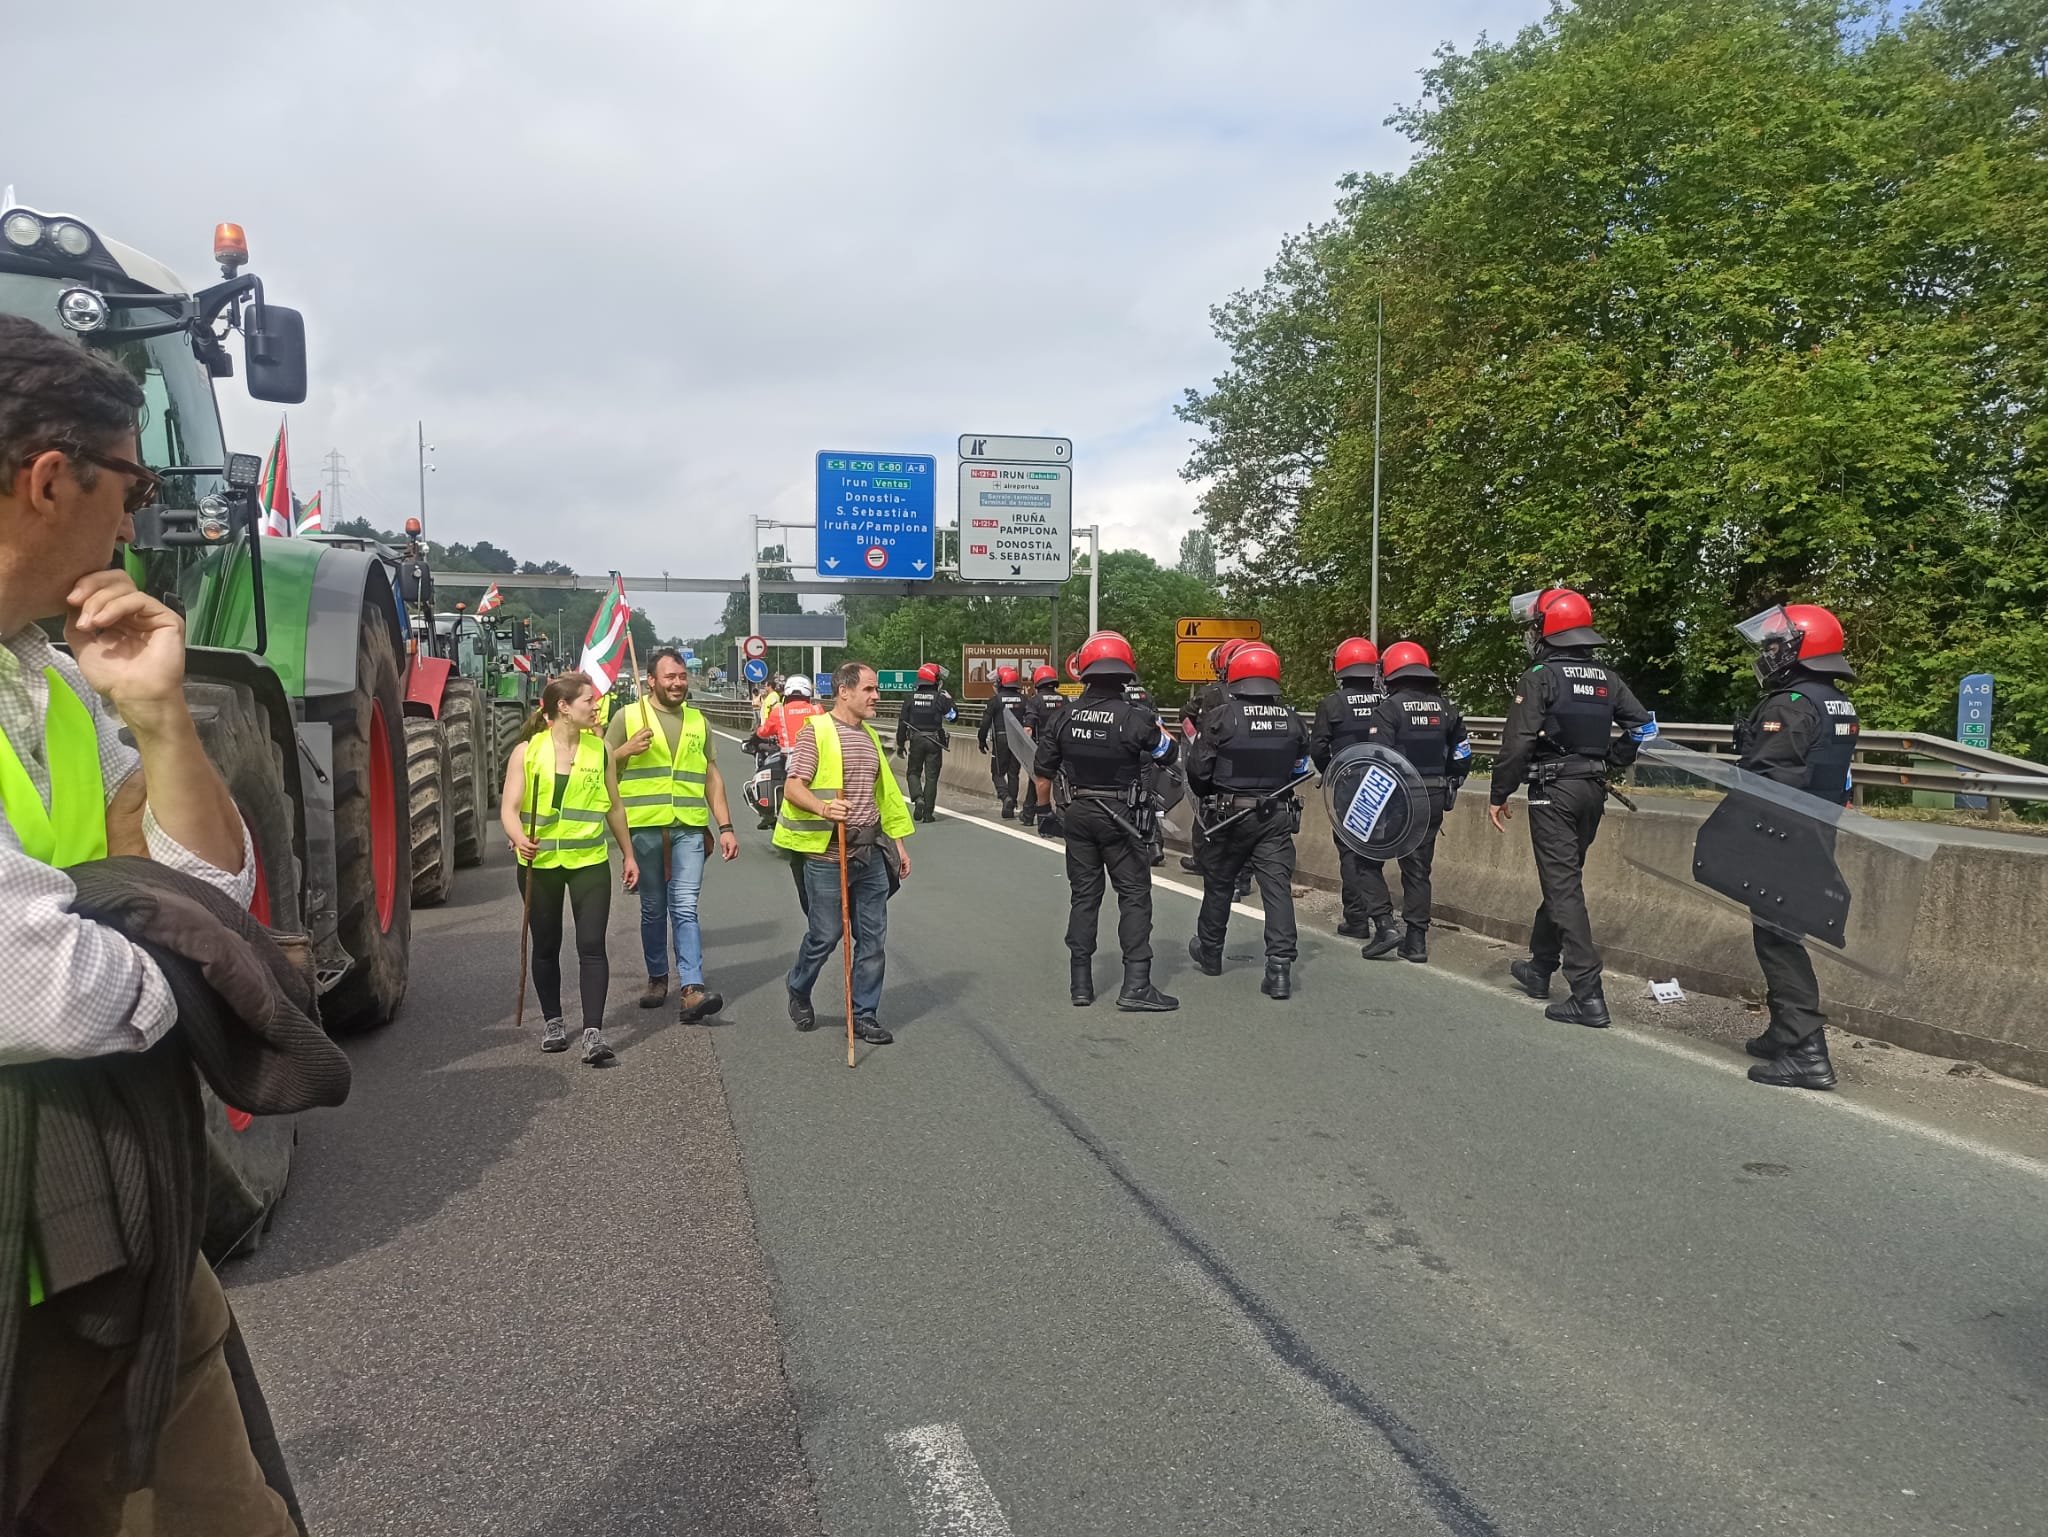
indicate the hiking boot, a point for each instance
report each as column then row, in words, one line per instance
column 801, row 1012
column 1139, row 996
column 699, row 1004
column 1386, row 938
column 869, row 1029
column 1415, row 947
column 1279, row 983
column 1531, row 978
column 552, row 1037
column 657, row 992
column 1591, row 1010
column 1805, row 1066
column 1209, row 965
column 596, row 1049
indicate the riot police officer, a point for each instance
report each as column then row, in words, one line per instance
column 922, row 726
column 1250, row 752
column 1559, row 739
column 1041, row 712
column 1415, row 719
column 1097, row 748
column 1802, row 733
column 1343, row 718
column 994, row 737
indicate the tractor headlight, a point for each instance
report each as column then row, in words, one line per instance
column 244, row 471
column 71, row 237
column 81, row 309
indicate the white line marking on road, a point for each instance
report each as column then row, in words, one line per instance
column 1956, row 1142
column 947, row 1490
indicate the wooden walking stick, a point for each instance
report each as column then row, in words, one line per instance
column 526, row 907
column 846, row 942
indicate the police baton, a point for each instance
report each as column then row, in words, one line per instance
column 1267, row 799
column 1614, row 794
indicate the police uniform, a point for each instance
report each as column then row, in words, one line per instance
column 923, row 726
column 1344, row 719
column 1559, row 739
column 1248, row 748
column 1008, row 700
column 1042, row 707
column 1803, row 734
column 1098, row 747
column 1201, row 701
column 1152, row 779
column 1416, row 721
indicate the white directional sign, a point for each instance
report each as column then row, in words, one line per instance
column 1016, row 521
column 983, row 445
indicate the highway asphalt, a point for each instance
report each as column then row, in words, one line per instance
column 1397, row 1256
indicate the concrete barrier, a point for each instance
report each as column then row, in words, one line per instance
column 1974, row 973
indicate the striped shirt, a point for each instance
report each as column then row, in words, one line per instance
column 863, row 765
column 74, row 988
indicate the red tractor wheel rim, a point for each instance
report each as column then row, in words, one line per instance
column 259, row 900
column 383, row 819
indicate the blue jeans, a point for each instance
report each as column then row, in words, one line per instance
column 674, row 905
column 867, row 887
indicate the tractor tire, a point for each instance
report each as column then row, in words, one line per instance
column 431, row 794
column 248, row 1168
column 511, row 715
column 237, row 741
column 372, row 832
column 469, row 765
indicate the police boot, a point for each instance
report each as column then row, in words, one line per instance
column 1355, row 928
column 1139, row 996
column 1805, row 1066
column 1415, row 947
column 1082, row 987
column 1763, row 1046
column 1386, row 937
column 1009, row 811
column 1279, row 981
column 1531, row 978
column 1590, row 1009
column 1189, row 862
column 1209, row 965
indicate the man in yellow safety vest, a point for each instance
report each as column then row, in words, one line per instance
column 71, row 791
column 671, row 788
column 839, row 782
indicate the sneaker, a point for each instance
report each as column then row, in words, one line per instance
column 596, row 1049
column 553, row 1038
column 869, row 1029
column 700, row 1004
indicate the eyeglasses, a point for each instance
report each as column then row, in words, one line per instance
column 144, row 483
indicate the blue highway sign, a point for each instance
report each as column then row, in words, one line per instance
column 754, row 670
column 875, row 515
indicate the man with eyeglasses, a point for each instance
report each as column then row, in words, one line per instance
column 71, row 791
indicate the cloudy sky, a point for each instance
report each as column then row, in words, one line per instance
column 635, row 261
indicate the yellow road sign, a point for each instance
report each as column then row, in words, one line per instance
column 1194, row 639
column 1213, row 630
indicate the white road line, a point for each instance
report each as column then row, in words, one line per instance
column 947, row 1490
column 1956, row 1142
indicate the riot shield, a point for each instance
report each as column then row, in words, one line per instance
column 1378, row 804
column 1020, row 739
column 1791, row 862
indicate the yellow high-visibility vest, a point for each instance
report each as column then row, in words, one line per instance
column 570, row 835
column 805, row 834
column 658, row 791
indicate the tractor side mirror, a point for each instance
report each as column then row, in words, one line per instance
column 275, row 353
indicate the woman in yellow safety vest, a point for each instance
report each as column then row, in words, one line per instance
column 561, row 793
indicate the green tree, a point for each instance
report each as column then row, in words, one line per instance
column 1198, row 556
column 1699, row 305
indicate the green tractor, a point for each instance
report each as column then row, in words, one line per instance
column 298, row 671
